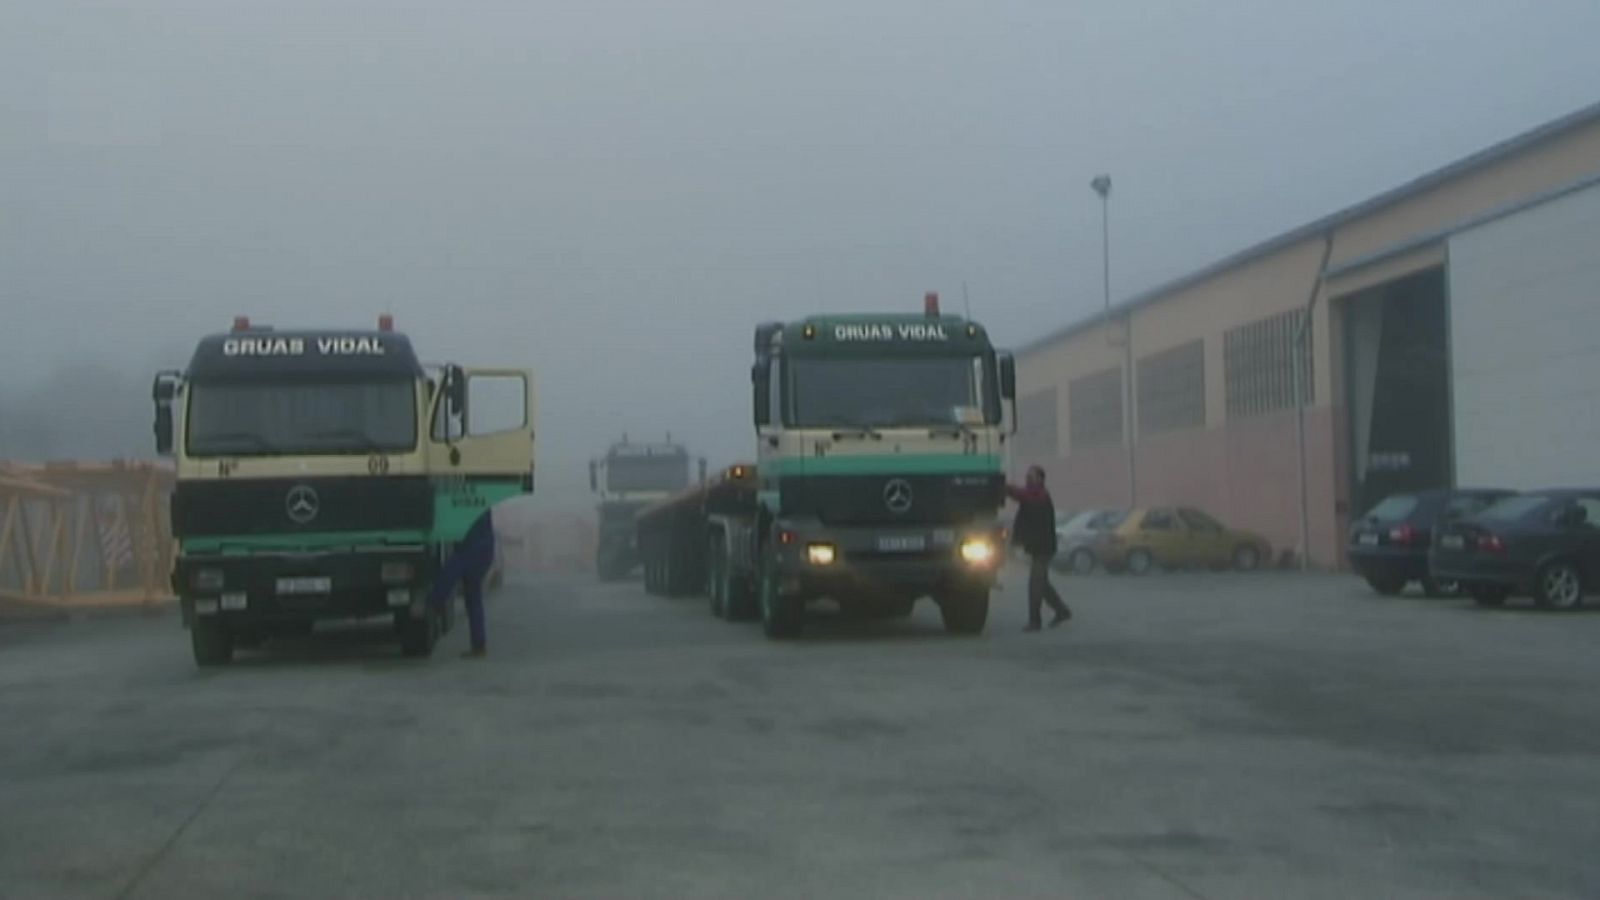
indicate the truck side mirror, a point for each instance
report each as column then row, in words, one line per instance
column 163, row 429
column 760, row 382
column 455, row 386
column 594, row 476
column 1008, row 376
column 162, row 392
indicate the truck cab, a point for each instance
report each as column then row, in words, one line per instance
column 631, row 476
column 880, row 458
column 326, row 475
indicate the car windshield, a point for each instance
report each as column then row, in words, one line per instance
column 1514, row 508
column 872, row 393
column 1393, row 509
column 259, row 419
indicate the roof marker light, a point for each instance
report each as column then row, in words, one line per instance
column 241, row 323
column 930, row 304
column 386, row 322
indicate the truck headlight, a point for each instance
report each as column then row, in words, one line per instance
column 821, row 554
column 207, row 580
column 977, row 551
column 396, row 572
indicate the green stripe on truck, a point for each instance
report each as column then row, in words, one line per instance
column 888, row 464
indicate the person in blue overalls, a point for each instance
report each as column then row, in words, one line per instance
column 469, row 565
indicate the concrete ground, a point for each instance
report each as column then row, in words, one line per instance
column 1268, row 736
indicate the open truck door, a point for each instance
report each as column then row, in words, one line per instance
column 481, row 444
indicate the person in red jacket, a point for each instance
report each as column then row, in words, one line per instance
column 1035, row 532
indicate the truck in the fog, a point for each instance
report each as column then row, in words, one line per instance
column 631, row 476
column 326, row 475
column 877, row 480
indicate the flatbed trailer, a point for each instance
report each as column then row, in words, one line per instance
column 702, row 540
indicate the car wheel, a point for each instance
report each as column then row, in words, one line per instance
column 1081, row 562
column 1246, row 558
column 1559, row 586
column 1140, row 562
column 1387, row 585
column 1441, row 588
column 1488, row 595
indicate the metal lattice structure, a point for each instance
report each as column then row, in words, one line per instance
column 85, row 534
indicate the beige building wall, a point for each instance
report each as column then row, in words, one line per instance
column 1212, row 464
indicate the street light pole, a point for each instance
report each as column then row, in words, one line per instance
column 1102, row 186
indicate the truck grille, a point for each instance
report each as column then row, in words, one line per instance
column 892, row 499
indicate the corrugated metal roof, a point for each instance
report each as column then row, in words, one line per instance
column 1471, row 163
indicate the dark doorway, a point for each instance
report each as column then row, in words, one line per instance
column 1398, row 369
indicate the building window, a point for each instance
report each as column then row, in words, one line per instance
column 1095, row 414
column 1258, row 360
column 1037, row 434
column 1172, row 389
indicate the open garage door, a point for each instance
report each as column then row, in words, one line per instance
column 1525, row 346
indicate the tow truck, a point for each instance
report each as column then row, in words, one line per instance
column 326, row 474
column 878, row 477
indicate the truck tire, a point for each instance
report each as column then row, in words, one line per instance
column 965, row 611
column 418, row 634
column 211, row 642
column 716, row 576
column 782, row 618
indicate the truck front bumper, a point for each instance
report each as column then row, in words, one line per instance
column 814, row 559
column 271, row 587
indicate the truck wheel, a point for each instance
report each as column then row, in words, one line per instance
column 419, row 634
column 212, row 644
column 716, row 577
column 965, row 611
column 782, row 618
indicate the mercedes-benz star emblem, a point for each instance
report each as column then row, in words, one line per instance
column 897, row 495
column 302, row 504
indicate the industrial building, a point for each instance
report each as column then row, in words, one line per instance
column 1446, row 332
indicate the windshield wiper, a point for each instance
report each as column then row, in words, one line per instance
column 225, row 437
column 367, row 441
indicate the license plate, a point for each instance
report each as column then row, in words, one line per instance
column 1452, row 542
column 310, row 585
column 1369, row 540
column 902, row 544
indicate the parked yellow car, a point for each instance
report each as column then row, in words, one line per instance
column 1178, row 537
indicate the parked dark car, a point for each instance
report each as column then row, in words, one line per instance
column 1544, row 544
column 1389, row 545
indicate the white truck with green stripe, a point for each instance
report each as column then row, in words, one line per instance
column 326, row 475
column 879, row 477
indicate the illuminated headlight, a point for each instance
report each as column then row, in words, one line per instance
column 205, row 607
column 821, row 554
column 399, row 597
column 207, row 580
column 233, row 601
column 977, row 551
column 397, row 572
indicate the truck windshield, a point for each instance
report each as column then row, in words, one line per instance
column 887, row 393
column 667, row 472
column 258, row 419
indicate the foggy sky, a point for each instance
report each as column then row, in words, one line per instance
column 613, row 194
